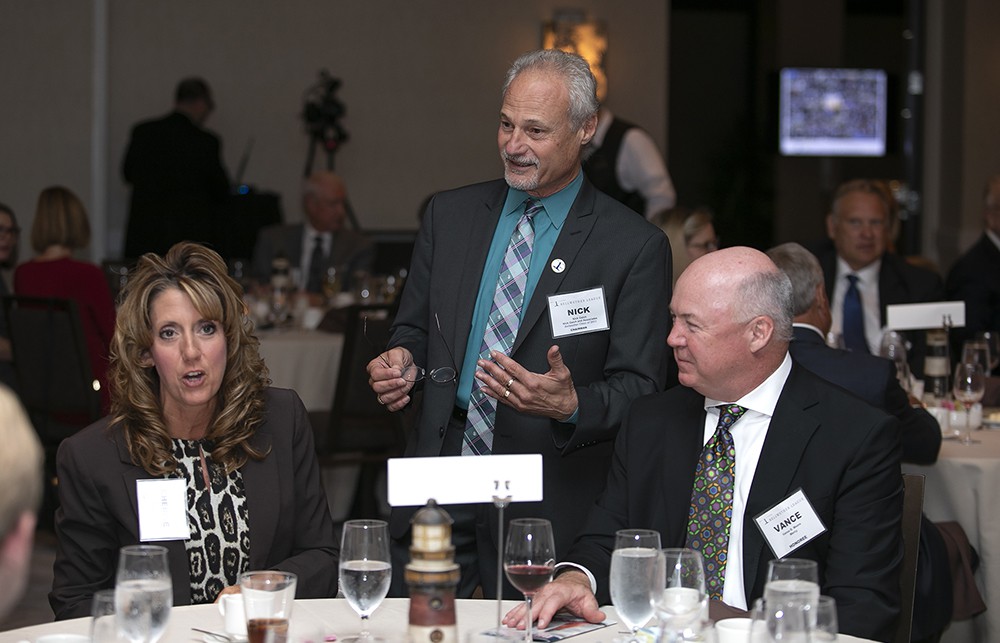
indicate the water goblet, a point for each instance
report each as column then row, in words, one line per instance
column 529, row 559
column 683, row 602
column 103, row 628
column 637, row 576
column 143, row 593
column 823, row 620
column 969, row 388
column 791, row 579
column 365, row 569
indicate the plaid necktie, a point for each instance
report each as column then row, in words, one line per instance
column 854, row 320
column 712, row 500
column 501, row 328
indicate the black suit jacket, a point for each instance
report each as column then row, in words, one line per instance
column 873, row 379
column 290, row 525
column 602, row 244
column 975, row 279
column 843, row 453
column 898, row 283
column 179, row 187
column 351, row 251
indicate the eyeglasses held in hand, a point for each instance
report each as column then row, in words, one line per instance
column 414, row 373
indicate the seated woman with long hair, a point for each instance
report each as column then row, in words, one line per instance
column 190, row 400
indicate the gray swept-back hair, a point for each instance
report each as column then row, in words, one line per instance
column 803, row 270
column 573, row 68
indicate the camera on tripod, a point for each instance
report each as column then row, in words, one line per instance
column 322, row 113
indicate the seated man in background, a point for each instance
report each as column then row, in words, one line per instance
column 975, row 277
column 863, row 276
column 20, row 496
column 767, row 431
column 871, row 378
column 320, row 242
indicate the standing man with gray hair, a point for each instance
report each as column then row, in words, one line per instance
column 550, row 295
column 752, row 458
column 20, row 496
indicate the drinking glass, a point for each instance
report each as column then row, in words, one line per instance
column 529, row 559
column 365, row 569
column 268, row 597
column 969, row 388
column 683, row 602
column 143, row 593
column 823, row 620
column 102, row 612
column 787, row 622
column 791, row 579
column 992, row 339
column 637, row 576
column 977, row 350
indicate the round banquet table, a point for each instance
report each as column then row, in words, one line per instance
column 964, row 486
column 331, row 616
column 306, row 361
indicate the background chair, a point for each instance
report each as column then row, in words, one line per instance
column 913, row 507
column 358, row 430
column 57, row 387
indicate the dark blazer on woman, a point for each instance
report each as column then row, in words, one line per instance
column 290, row 525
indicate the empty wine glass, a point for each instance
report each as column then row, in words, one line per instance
column 969, row 388
column 143, row 593
column 637, row 576
column 823, row 620
column 529, row 559
column 365, row 569
column 992, row 339
column 683, row 602
column 976, row 350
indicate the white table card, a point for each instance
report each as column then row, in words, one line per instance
column 928, row 315
column 457, row 479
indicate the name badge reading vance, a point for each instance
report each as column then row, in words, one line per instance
column 789, row 524
column 576, row 313
column 162, row 509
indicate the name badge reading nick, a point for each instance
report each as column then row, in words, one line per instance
column 576, row 313
column 789, row 524
column 162, row 509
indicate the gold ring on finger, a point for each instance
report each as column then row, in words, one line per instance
column 510, row 382
column 506, row 393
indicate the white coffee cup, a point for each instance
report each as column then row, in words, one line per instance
column 231, row 608
column 733, row 630
column 63, row 638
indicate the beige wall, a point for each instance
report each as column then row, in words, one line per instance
column 420, row 82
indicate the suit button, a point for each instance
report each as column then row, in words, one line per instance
column 441, row 432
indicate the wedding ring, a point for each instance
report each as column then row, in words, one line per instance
column 379, row 398
column 510, row 382
column 506, row 393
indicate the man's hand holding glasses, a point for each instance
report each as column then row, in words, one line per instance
column 387, row 376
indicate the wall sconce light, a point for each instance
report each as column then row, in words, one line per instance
column 571, row 30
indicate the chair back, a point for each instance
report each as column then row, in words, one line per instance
column 50, row 358
column 913, row 507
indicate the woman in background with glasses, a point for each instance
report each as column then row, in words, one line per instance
column 191, row 401
column 691, row 234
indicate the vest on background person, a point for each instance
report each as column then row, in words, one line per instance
column 600, row 165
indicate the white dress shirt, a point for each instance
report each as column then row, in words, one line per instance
column 870, row 304
column 748, row 438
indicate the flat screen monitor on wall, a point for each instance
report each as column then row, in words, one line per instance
column 832, row 112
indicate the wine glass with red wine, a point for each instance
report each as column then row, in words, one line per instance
column 529, row 558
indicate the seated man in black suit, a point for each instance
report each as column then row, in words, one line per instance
column 793, row 432
column 975, row 277
column 871, row 378
column 863, row 276
column 320, row 242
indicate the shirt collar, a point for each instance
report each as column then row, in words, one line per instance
column 311, row 233
column 556, row 205
column 866, row 275
column 810, row 327
column 764, row 398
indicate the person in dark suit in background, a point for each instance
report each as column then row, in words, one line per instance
column 762, row 428
column 975, row 277
column 191, row 401
column 528, row 381
column 862, row 273
column 319, row 243
column 174, row 165
column 871, row 378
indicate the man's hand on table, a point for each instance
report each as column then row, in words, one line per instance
column 570, row 591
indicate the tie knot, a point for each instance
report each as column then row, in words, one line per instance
column 853, row 279
column 728, row 414
column 318, row 241
column 531, row 207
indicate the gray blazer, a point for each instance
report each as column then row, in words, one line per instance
column 290, row 525
column 351, row 250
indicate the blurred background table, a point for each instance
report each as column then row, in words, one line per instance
column 333, row 616
column 964, row 486
column 306, row 361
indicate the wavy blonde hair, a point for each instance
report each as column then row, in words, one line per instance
column 136, row 407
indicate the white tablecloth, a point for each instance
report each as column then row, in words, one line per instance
column 306, row 361
column 332, row 616
column 964, row 486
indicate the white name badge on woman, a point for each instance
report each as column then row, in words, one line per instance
column 162, row 509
